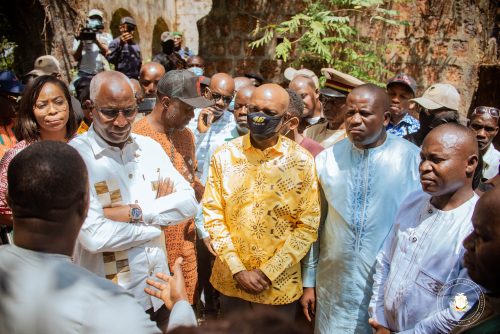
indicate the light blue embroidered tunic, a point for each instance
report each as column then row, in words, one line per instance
column 364, row 189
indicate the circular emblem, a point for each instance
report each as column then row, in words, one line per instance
column 455, row 295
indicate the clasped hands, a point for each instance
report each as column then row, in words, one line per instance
column 254, row 281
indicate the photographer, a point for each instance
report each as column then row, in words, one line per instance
column 91, row 45
column 124, row 53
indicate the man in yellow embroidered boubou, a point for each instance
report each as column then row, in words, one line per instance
column 261, row 209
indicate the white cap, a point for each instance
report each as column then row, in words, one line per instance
column 96, row 12
column 291, row 73
column 440, row 95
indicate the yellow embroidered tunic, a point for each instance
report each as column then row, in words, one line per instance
column 261, row 208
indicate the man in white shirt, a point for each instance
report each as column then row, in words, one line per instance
column 42, row 291
column 422, row 256
column 484, row 122
column 134, row 190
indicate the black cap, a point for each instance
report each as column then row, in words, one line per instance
column 182, row 84
column 404, row 79
column 331, row 93
column 128, row 20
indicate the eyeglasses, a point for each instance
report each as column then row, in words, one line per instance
column 493, row 112
column 113, row 113
column 216, row 97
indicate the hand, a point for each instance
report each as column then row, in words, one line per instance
column 308, row 303
column 174, row 288
column 252, row 281
column 207, row 243
column 165, row 187
column 379, row 329
column 125, row 37
column 203, row 125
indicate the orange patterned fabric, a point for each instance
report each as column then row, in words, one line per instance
column 180, row 239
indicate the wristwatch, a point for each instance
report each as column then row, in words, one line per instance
column 135, row 214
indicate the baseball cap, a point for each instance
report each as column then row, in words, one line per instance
column 182, row 84
column 128, row 20
column 440, row 95
column 46, row 65
column 291, row 73
column 96, row 12
column 166, row 36
column 404, row 79
column 340, row 81
column 9, row 83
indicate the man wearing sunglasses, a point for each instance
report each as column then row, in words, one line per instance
column 484, row 122
column 134, row 191
column 215, row 123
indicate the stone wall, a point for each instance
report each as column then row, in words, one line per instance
column 153, row 17
column 444, row 41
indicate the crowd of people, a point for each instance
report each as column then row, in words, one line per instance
column 149, row 197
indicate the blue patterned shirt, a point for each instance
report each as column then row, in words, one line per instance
column 405, row 126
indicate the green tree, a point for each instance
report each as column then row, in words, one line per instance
column 324, row 34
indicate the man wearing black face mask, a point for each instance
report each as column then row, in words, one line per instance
column 168, row 57
column 438, row 105
column 261, row 209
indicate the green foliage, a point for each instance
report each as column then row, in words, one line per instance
column 324, row 34
column 6, row 54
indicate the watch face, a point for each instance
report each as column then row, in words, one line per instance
column 136, row 213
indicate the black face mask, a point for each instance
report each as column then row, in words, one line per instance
column 262, row 126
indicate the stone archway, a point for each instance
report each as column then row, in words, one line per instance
column 158, row 29
column 115, row 22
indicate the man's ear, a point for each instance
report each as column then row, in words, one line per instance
column 472, row 162
column 165, row 101
column 387, row 117
column 207, row 93
column 294, row 123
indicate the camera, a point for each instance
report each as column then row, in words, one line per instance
column 88, row 33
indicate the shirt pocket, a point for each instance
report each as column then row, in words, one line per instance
column 428, row 283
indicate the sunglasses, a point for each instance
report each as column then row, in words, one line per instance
column 113, row 113
column 493, row 112
column 217, row 97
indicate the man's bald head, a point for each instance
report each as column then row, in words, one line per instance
column 455, row 137
column 110, row 84
column 240, row 82
column 271, row 97
column 375, row 93
column 222, row 82
column 300, row 81
column 152, row 68
column 244, row 94
column 149, row 76
column 449, row 157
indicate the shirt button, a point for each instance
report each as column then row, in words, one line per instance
column 151, row 273
column 130, row 176
column 414, row 239
column 430, row 211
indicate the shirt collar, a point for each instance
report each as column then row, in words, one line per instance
column 99, row 145
column 278, row 148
